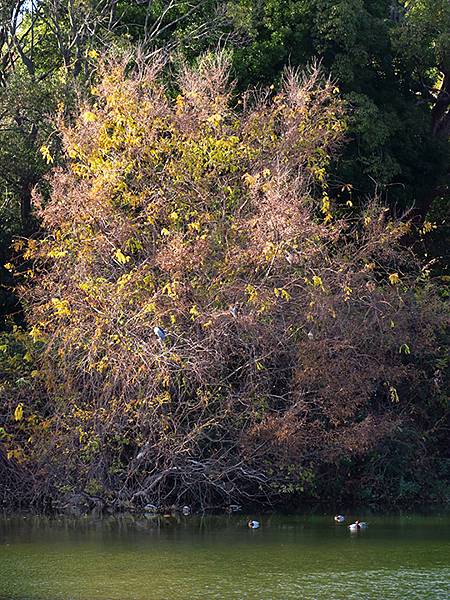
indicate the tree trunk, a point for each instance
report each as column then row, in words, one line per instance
column 25, row 207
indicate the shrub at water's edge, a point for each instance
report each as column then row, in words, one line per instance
column 301, row 349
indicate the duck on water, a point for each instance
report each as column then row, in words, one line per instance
column 357, row 525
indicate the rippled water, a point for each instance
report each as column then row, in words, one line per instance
column 219, row 558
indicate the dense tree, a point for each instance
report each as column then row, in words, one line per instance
column 214, row 328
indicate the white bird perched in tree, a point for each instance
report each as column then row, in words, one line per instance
column 160, row 333
column 234, row 311
column 310, row 335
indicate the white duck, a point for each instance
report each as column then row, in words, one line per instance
column 339, row 518
column 253, row 524
column 357, row 525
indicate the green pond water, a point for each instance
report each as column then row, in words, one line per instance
column 289, row 557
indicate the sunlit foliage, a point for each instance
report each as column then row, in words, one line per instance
column 296, row 336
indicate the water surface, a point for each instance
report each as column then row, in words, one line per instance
column 219, row 558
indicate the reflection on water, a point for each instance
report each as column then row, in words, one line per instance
column 220, row 558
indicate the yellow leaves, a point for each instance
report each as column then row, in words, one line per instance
column 174, row 216
column 162, row 399
column 92, row 54
column 347, row 292
column 32, row 245
column 170, row 289
column 176, row 358
column 404, row 349
column 45, row 151
column 18, row 413
column 18, row 245
column 317, row 282
column 121, row 257
column 165, row 232
column 87, row 287
column 370, row 266
column 74, row 151
column 180, row 103
column 394, row 394
column 115, row 339
column 9, row 266
column 326, row 208
column 55, row 253
column 16, row 454
column 427, row 227
column 123, row 280
column 150, row 307
column 148, row 282
column 101, row 365
column 399, row 229
column 60, row 307
column 250, row 180
column 194, row 312
column 282, row 293
column 319, row 174
column 394, row 278
column 270, row 251
column 252, row 293
column 259, row 366
column 89, row 117
column 215, row 119
column 36, row 334
column 194, row 226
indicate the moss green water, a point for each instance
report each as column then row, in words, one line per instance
column 219, row 558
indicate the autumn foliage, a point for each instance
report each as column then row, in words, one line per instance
column 297, row 332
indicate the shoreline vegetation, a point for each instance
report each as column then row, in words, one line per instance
column 209, row 307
